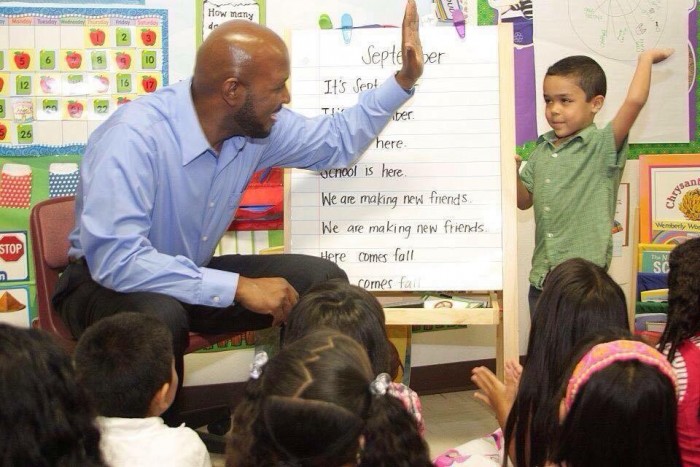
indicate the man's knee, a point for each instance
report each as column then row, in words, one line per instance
column 174, row 315
column 165, row 308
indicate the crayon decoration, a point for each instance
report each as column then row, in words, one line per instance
column 458, row 21
column 324, row 22
column 346, row 26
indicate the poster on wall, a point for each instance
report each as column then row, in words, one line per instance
column 14, row 267
column 14, row 306
column 214, row 12
column 63, row 71
column 13, row 257
column 669, row 198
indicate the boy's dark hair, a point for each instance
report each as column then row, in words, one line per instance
column 45, row 419
column 624, row 415
column 349, row 309
column 122, row 361
column 590, row 75
column 578, row 299
column 683, row 296
column 311, row 405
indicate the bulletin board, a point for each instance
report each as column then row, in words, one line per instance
column 61, row 77
column 64, row 71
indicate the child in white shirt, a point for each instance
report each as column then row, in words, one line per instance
column 126, row 365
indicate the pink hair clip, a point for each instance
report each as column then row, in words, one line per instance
column 603, row 355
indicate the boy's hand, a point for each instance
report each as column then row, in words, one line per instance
column 637, row 94
column 657, row 55
column 411, row 48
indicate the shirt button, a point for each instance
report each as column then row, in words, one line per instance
column 211, row 205
column 555, row 154
column 546, row 208
column 216, row 299
column 550, row 235
column 204, row 239
column 547, row 180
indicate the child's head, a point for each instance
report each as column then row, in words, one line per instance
column 683, row 295
column 317, row 403
column 347, row 308
column 618, row 408
column 125, row 362
column 574, row 91
column 578, row 299
column 44, row 416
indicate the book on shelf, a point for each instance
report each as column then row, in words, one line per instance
column 655, row 326
column 653, row 258
column 400, row 301
column 641, row 319
column 456, row 301
column 655, row 295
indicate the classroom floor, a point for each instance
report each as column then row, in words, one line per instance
column 450, row 420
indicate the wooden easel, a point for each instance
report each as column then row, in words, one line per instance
column 503, row 312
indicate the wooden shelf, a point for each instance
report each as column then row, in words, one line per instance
column 449, row 316
column 444, row 316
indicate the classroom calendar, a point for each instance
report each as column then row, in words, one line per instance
column 65, row 70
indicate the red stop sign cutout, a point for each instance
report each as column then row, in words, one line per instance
column 11, row 248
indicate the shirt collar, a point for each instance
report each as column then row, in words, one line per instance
column 193, row 142
column 584, row 135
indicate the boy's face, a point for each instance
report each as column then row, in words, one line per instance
column 566, row 109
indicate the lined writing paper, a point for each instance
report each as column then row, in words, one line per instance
column 421, row 209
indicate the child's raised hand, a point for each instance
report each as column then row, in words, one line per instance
column 492, row 392
column 491, row 389
column 658, row 54
column 513, row 370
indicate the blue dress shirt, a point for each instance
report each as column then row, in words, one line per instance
column 154, row 199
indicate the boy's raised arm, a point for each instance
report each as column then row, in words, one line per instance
column 637, row 93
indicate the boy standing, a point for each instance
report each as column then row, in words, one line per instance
column 573, row 175
column 125, row 363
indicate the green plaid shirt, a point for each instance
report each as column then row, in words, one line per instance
column 574, row 188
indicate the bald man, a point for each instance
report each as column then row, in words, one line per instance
column 161, row 180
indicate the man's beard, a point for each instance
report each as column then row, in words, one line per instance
column 249, row 123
